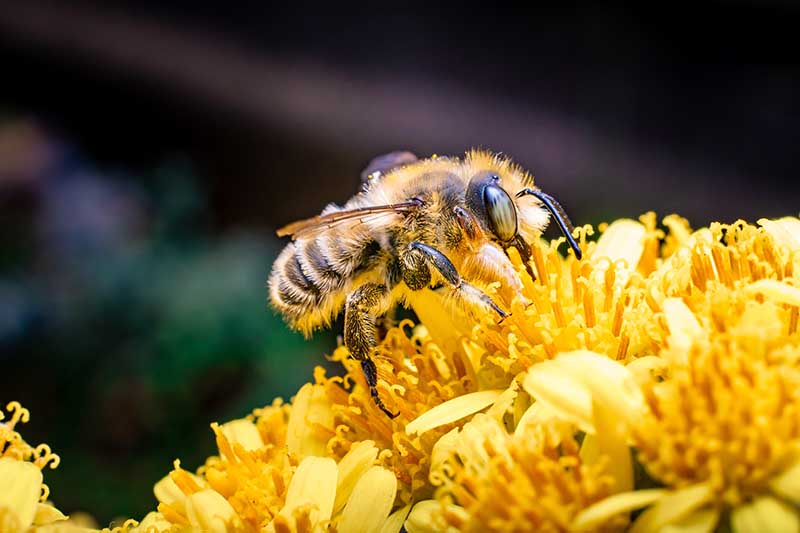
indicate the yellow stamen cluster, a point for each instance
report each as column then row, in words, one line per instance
column 724, row 406
column 675, row 349
column 12, row 444
column 423, row 376
column 515, row 482
column 23, row 496
column 597, row 304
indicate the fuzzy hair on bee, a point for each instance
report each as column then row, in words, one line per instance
column 441, row 223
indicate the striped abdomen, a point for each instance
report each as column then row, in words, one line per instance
column 309, row 275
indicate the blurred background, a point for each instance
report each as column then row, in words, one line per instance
column 149, row 150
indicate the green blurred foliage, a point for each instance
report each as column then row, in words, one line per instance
column 132, row 342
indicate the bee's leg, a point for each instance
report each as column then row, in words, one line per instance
column 524, row 250
column 419, row 257
column 363, row 305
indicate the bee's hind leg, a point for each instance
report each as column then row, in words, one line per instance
column 363, row 305
column 417, row 261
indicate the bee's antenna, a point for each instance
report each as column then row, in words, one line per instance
column 558, row 213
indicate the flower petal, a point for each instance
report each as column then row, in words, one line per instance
column 47, row 514
column 314, row 482
column 445, row 322
column 394, row 523
column 310, row 407
column 562, row 393
column 20, row 488
column 625, row 502
column 452, row 410
column 167, row 491
column 624, row 239
column 573, row 381
column 370, row 502
column 765, row 514
column 154, row 521
column 353, row 465
column 787, row 483
column 673, row 507
column 209, row 511
column 427, row 517
column 684, row 329
column 785, row 231
column 776, row 291
column 701, row 521
column 245, row 433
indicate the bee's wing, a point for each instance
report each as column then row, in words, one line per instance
column 313, row 225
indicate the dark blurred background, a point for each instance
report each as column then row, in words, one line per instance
column 148, row 151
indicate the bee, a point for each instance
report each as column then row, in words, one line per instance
column 441, row 223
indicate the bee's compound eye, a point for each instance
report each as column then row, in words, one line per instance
column 501, row 212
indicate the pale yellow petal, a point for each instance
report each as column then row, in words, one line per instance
column 47, row 514
column 370, row 503
column 394, row 523
column 684, row 329
column 154, row 521
column 612, row 444
column 609, row 382
column 243, row 432
column 210, row 512
column 452, row 410
column 644, row 368
column 765, row 514
column 62, row 527
column 562, row 393
column 427, row 517
column 445, row 322
column 314, row 483
column 444, row 448
column 166, row 491
column 311, row 406
column 504, row 403
column 701, row 521
column 545, row 424
column 20, row 489
column 623, row 240
column 573, row 381
column 673, row 507
column 625, row 502
column 353, row 465
column 785, row 231
column 787, row 483
column 776, row 291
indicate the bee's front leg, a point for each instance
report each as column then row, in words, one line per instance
column 363, row 305
column 416, row 263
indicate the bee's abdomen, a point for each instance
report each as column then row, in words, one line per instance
column 306, row 278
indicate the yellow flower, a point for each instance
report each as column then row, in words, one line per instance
column 23, row 495
column 674, row 352
column 722, row 431
column 495, row 481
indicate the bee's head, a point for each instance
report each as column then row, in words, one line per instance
column 492, row 206
column 496, row 211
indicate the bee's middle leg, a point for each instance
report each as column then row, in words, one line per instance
column 416, row 263
column 363, row 305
